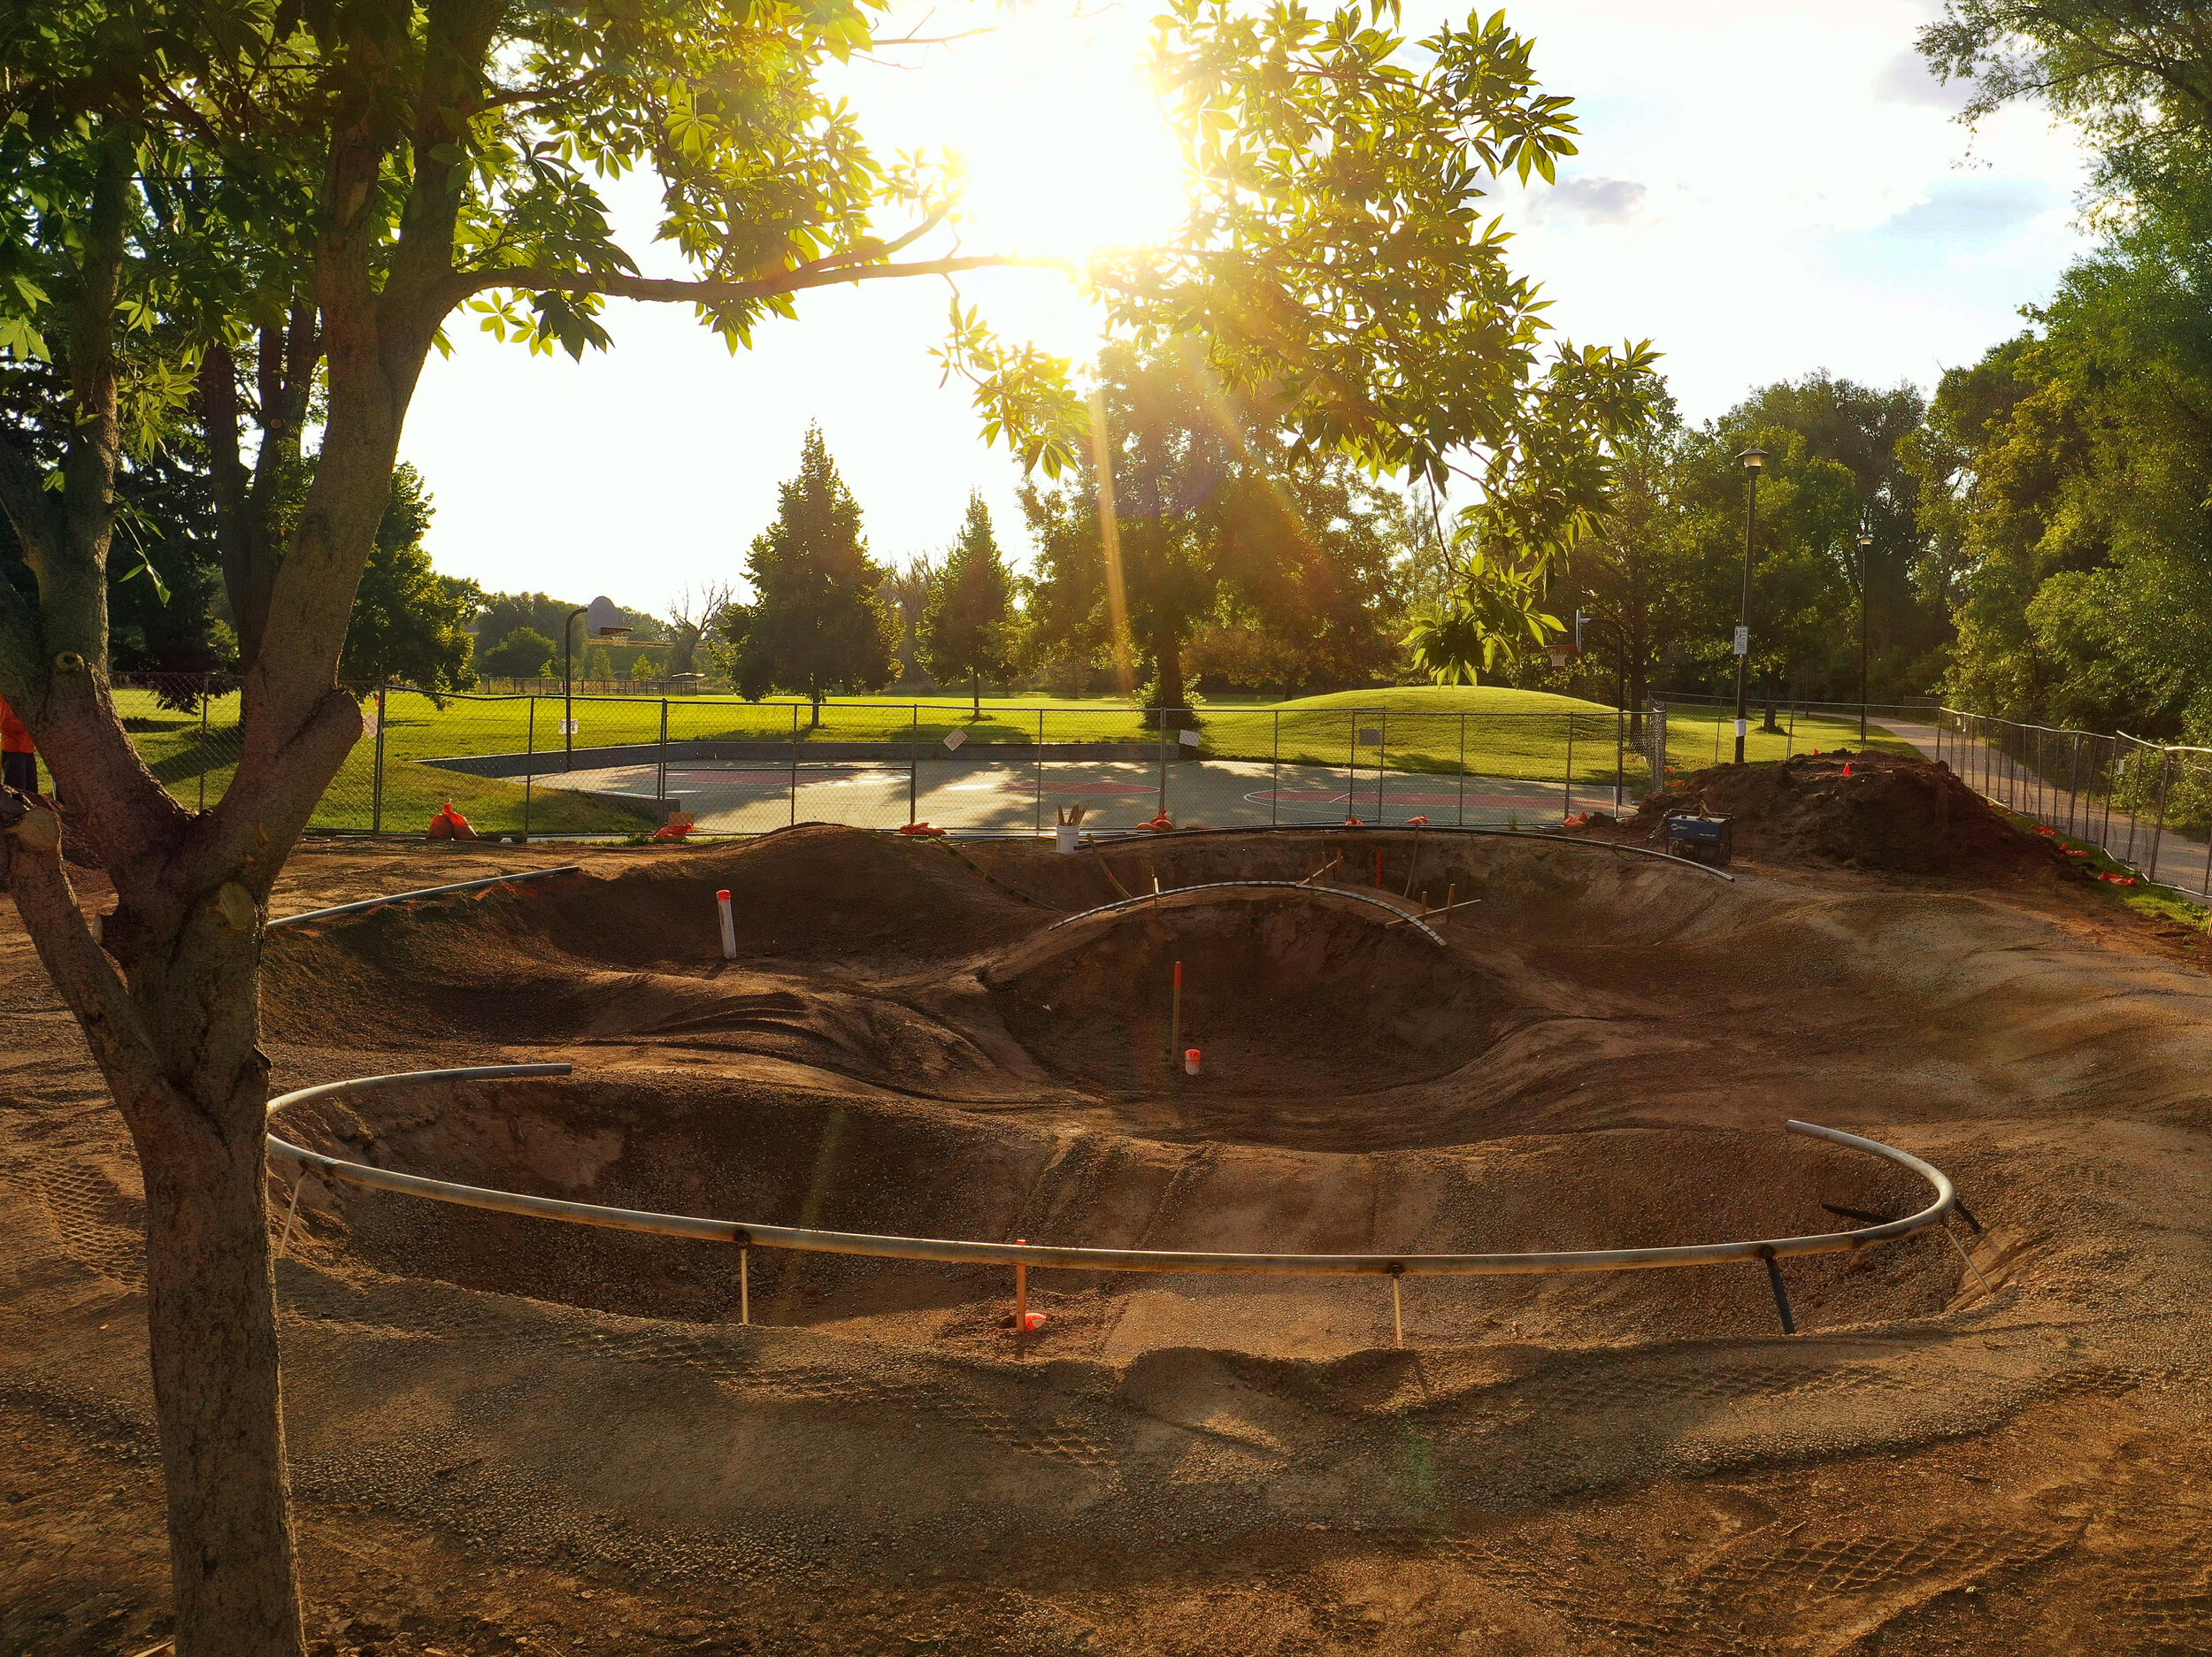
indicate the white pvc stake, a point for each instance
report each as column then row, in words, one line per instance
column 292, row 1212
column 729, row 927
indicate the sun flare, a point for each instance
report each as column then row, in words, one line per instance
column 1068, row 149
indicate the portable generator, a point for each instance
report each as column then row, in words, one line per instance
column 1703, row 839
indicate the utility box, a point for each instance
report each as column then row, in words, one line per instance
column 1703, row 839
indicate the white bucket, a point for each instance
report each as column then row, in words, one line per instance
column 1067, row 838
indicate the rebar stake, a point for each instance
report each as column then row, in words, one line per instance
column 1175, row 1022
column 1969, row 1259
column 292, row 1212
column 1781, row 1293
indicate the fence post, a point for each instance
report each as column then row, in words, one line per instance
column 2073, row 785
column 207, row 691
column 1382, row 751
column 913, row 765
column 1620, row 753
column 2111, row 777
column 1163, row 762
column 376, row 785
column 660, row 786
column 1567, row 801
column 1275, row 794
column 2158, row 829
column 530, row 765
column 1462, row 771
column 1040, row 772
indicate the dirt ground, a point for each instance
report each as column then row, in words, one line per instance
column 514, row 1436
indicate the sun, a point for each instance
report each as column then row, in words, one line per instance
column 1068, row 151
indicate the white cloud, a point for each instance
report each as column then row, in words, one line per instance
column 1590, row 201
column 1907, row 79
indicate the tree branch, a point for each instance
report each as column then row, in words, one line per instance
column 80, row 969
column 617, row 285
column 31, row 511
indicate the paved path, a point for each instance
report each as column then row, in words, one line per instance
column 1003, row 794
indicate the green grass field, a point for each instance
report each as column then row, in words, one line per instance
column 1488, row 730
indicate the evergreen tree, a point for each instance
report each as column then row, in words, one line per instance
column 967, row 628
column 817, row 623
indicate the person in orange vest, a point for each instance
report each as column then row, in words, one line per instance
column 19, row 756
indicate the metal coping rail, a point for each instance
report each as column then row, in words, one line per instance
column 1139, row 901
column 806, row 1239
column 421, row 892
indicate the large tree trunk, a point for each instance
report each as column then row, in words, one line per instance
column 177, row 1045
column 211, row 1301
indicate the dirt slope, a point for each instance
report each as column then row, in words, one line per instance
column 510, row 1436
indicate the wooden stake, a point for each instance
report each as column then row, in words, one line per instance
column 1175, row 1024
column 1451, row 893
column 1397, row 1314
column 745, row 1285
column 1021, row 1299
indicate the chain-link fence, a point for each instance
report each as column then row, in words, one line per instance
column 2146, row 805
column 577, row 764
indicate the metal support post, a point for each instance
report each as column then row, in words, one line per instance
column 795, row 763
column 1382, row 749
column 2158, row 827
column 530, row 766
column 1462, row 771
column 1040, row 772
column 376, row 785
column 1567, row 804
column 206, row 697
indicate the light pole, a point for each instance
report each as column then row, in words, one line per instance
column 1865, row 542
column 1752, row 458
column 606, row 623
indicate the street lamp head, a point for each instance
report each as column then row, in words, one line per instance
column 1752, row 458
column 1866, row 540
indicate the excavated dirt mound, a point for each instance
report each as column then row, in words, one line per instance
column 1897, row 813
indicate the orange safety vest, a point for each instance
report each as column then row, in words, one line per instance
column 15, row 736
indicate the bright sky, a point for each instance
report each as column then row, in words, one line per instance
column 1764, row 189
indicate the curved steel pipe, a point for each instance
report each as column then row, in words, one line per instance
column 808, row 1240
column 1156, row 898
column 420, row 891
